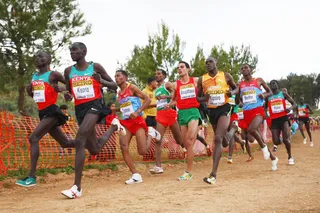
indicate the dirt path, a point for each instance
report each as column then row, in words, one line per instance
column 241, row 187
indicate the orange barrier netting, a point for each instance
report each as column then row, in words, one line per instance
column 15, row 148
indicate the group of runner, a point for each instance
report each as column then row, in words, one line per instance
column 230, row 107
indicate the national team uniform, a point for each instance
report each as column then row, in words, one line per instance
column 303, row 113
column 277, row 109
column 218, row 103
column 46, row 97
column 87, row 94
column 252, row 104
column 187, row 102
column 165, row 117
column 128, row 105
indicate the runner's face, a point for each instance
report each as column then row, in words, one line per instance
column 76, row 52
column 41, row 59
column 182, row 70
column 273, row 85
column 113, row 107
column 153, row 85
column 211, row 64
column 120, row 78
column 245, row 70
column 159, row 76
column 301, row 100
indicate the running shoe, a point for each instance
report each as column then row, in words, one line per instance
column 291, row 161
column 116, row 122
column 311, row 143
column 305, row 141
column 72, row 193
column 250, row 159
column 27, row 182
column 274, row 164
column 156, row 170
column 266, row 153
column 135, row 178
column 210, row 180
column 209, row 152
column 185, row 176
column 275, row 148
column 229, row 161
column 154, row 133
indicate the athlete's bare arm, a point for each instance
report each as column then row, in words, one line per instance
column 309, row 108
column 174, row 96
column 201, row 97
column 55, row 78
column 267, row 92
column 146, row 100
column 103, row 78
column 289, row 98
column 67, row 71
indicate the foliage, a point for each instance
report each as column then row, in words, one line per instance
column 28, row 26
column 228, row 61
column 161, row 52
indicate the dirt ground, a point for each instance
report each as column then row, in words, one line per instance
column 240, row 187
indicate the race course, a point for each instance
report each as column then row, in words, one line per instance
column 240, row 187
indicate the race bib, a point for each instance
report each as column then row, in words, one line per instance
column 249, row 97
column 240, row 115
column 161, row 103
column 187, row 91
column 217, row 99
column 277, row 107
column 301, row 112
column 38, row 93
column 83, row 89
column 126, row 109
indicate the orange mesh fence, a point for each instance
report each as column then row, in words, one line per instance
column 15, row 148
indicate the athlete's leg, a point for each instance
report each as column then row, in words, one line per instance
column 161, row 129
column 301, row 129
column 307, row 124
column 45, row 125
column 286, row 138
column 220, row 130
column 143, row 141
column 189, row 132
column 86, row 130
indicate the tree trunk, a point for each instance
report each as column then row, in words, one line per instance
column 21, row 100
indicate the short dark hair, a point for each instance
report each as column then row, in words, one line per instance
column 109, row 104
column 150, row 79
column 163, row 72
column 277, row 82
column 185, row 63
column 81, row 45
column 123, row 72
column 63, row 106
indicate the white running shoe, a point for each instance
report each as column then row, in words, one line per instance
column 305, row 141
column 291, row 161
column 311, row 143
column 266, row 153
column 274, row 164
column 72, row 193
column 116, row 122
column 135, row 178
column 154, row 133
column 156, row 170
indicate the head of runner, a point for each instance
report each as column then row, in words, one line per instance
column 274, row 86
column 78, row 51
column 246, row 72
column 160, row 76
column 183, row 69
column 121, row 78
column 211, row 65
column 42, row 60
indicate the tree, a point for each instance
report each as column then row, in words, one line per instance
column 160, row 52
column 28, row 26
column 228, row 61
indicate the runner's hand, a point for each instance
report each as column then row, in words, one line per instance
column 261, row 96
column 97, row 77
column 161, row 97
column 229, row 93
column 56, row 87
column 67, row 96
column 134, row 115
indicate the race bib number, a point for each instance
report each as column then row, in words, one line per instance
column 83, row 89
column 216, row 99
column 249, row 97
column 301, row 112
column 126, row 109
column 187, row 91
column 38, row 94
column 277, row 107
column 161, row 103
column 240, row 115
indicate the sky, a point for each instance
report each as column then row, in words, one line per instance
column 284, row 34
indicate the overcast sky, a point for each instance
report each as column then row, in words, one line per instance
column 283, row 33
